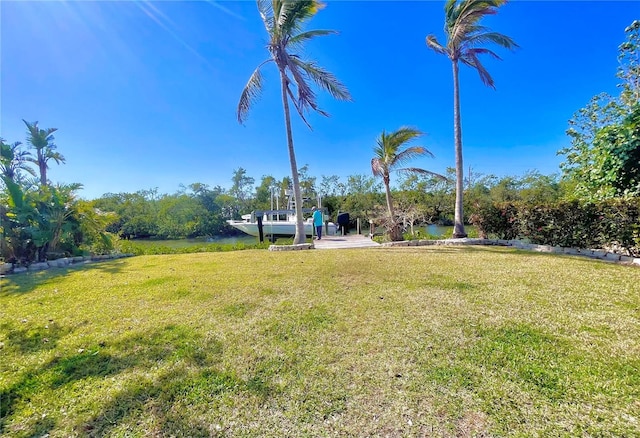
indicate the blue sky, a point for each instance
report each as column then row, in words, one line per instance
column 144, row 94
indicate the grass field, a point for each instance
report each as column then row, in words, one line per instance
column 418, row 341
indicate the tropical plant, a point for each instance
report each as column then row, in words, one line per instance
column 13, row 160
column 464, row 36
column 391, row 153
column 283, row 20
column 42, row 141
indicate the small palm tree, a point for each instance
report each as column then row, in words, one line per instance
column 464, row 36
column 42, row 141
column 283, row 20
column 13, row 160
column 391, row 153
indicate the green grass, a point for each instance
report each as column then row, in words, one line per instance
column 418, row 341
column 187, row 246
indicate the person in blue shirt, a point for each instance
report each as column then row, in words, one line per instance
column 317, row 221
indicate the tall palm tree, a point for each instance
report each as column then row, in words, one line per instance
column 464, row 36
column 42, row 141
column 283, row 20
column 13, row 160
column 391, row 153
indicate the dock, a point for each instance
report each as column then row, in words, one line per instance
column 347, row 241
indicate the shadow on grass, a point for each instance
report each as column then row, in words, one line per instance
column 188, row 363
column 33, row 339
column 28, row 281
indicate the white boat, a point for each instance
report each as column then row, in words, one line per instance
column 280, row 222
column 283, row 227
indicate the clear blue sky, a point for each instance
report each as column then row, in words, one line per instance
column 144, row 94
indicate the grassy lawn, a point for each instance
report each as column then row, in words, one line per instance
column 424, row 341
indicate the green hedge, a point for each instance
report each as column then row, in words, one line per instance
column 607, row 224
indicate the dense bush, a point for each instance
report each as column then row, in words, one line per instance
column 613, row 224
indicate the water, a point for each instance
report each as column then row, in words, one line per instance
column 438, row 230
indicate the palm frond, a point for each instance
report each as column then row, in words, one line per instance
column 306, row 97
column 413, row 152
column 377, row 167
column 250, row 93
column 324, row 79
column 404, row 135
column 409, row 170
column 479, row 51
column 310, row 34
column 300, row 110
column 470, row 58
column 492, row 37
column 433, row 44
column 293, row 13
column 265, row 9
column 55, row 156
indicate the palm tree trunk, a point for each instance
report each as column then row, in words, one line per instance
column 388, row 193
column 42, row 166
column 395, row 233
column 458, row 229
column 300, row 236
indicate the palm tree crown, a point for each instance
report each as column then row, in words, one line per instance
column 42, row 141
column 391, row 153
column 465, row 34
column 283, row 20
column 13, row 160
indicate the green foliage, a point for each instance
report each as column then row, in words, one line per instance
column 133, row 247
column 607, row 164
column 613, row 223
column 496, row 220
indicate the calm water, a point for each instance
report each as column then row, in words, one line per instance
column 439, row 230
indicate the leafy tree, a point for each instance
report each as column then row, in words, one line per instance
column 464, row 36
column 13, row 160
column 307, row 184
column 363, row 195
column 629, row 65
column 390, row 154
column 602, row 159
column 241, row 189
column 42, row 141
column 179, row 216
column 332, row 186
column 283, row 20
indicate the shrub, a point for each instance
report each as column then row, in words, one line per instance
column 612, row 224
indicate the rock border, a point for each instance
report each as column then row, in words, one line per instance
column 599, row 254
column 298, row 247
column 10, row 268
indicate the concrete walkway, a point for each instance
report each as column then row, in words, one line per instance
column 348, row 241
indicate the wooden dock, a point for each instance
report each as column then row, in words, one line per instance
column 348, row 241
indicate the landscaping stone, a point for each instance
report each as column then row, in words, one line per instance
column 38, row 266
column 298, row 247
column 5, row 268
column 612, row 256
column 19, row 270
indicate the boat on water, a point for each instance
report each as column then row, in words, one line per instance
column 280, row 222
